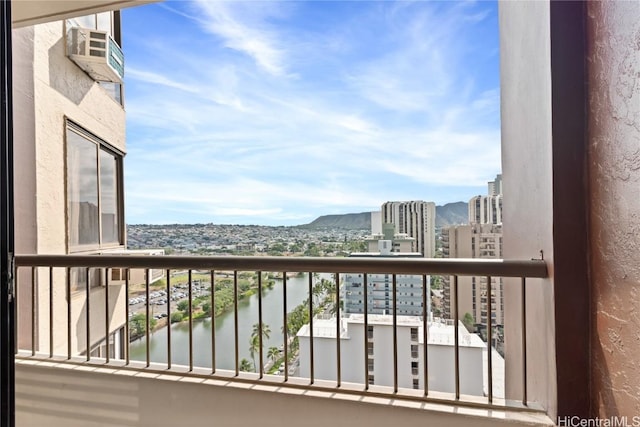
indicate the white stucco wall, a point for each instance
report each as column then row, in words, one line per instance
column 49, row 88
column 440, row 355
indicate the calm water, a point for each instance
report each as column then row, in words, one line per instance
column 297, row 291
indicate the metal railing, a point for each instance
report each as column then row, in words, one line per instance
column 43, row 272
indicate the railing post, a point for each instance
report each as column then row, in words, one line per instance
column 311, row 366
column 425, row 333
column 456, row 336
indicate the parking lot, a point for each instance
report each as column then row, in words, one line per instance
column 158, row 299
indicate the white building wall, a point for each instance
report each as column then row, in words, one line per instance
column 416, row 219
column 352, row 345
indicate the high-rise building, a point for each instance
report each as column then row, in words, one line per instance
column 494, row 187
column 473, row 241
column 417, row 219
column 379, row 291
column 485, row 209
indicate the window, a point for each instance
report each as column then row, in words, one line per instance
column 371, row 380
column 370, row 365
column 414, row 368
column 416, row 383
column 414, row 334
column 414, row 351
column 370, row 348
column 370, row 332
column 94, row 194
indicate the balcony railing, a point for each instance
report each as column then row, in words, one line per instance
column 45, row 278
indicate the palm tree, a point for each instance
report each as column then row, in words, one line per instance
column 273, row 353
column 245, row 365
column 254, row 341
column 265, row 330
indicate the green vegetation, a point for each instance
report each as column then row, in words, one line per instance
column 436, row 282
column 467, row 321
column 323, row 299
column 161, row 283
column 273, row 354
column 245, row 366
column 176, row 317
column 254, row 340
column 138, row 324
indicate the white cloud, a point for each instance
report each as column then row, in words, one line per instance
column 361, row 123
column 254, row 38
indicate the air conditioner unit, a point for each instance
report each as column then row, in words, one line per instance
column 97, row 53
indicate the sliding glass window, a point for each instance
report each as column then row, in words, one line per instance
column 94, row 195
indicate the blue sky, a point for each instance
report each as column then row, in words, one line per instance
column 260, row 112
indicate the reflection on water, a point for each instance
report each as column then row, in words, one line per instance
column 297, row 291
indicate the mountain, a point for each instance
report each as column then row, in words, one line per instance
column 357, row 221
column 449, row 214
column 452, row 214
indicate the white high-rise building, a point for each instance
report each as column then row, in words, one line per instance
column 485, row 210
column 417, row 219
column 494, row 187
column 410, row 353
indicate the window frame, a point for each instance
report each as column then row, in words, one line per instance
column 100, row 144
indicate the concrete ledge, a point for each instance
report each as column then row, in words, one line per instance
column 59, row 394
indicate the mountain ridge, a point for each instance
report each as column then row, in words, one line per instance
column 448, row 214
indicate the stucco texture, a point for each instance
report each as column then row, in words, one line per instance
column 613, row 64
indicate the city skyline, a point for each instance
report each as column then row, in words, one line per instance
column 275, row 113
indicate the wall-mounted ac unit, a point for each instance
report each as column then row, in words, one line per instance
column 97, row 53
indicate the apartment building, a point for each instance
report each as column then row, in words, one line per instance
column 486, row 209
column 473, row 241
column 416, row 219
column 379, row 287
column 379, row 357
column 494, row 187
column 69, row 132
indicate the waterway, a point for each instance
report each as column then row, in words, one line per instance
column 272, row 300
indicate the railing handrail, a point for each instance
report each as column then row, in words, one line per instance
column 373, row 265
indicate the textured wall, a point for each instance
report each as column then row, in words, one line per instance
column 48, row 88
column 614, row 167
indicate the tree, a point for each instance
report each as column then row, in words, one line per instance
column 266, row 331
column 467, row 321
column 206, row 308
column 273, row 354
column 176, row 317
column 138, row 324
column 183, row 305
column 245, row 366
column 254, row 341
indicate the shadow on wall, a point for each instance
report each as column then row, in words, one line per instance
column 65, row 76
column 42, row 398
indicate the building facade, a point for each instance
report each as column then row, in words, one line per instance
column 379, row 358
column 485, row 209
column 473, row 241
column 69, row 132
column 416, row 219
column 379, row 289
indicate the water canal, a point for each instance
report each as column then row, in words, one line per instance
column 272, row 308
